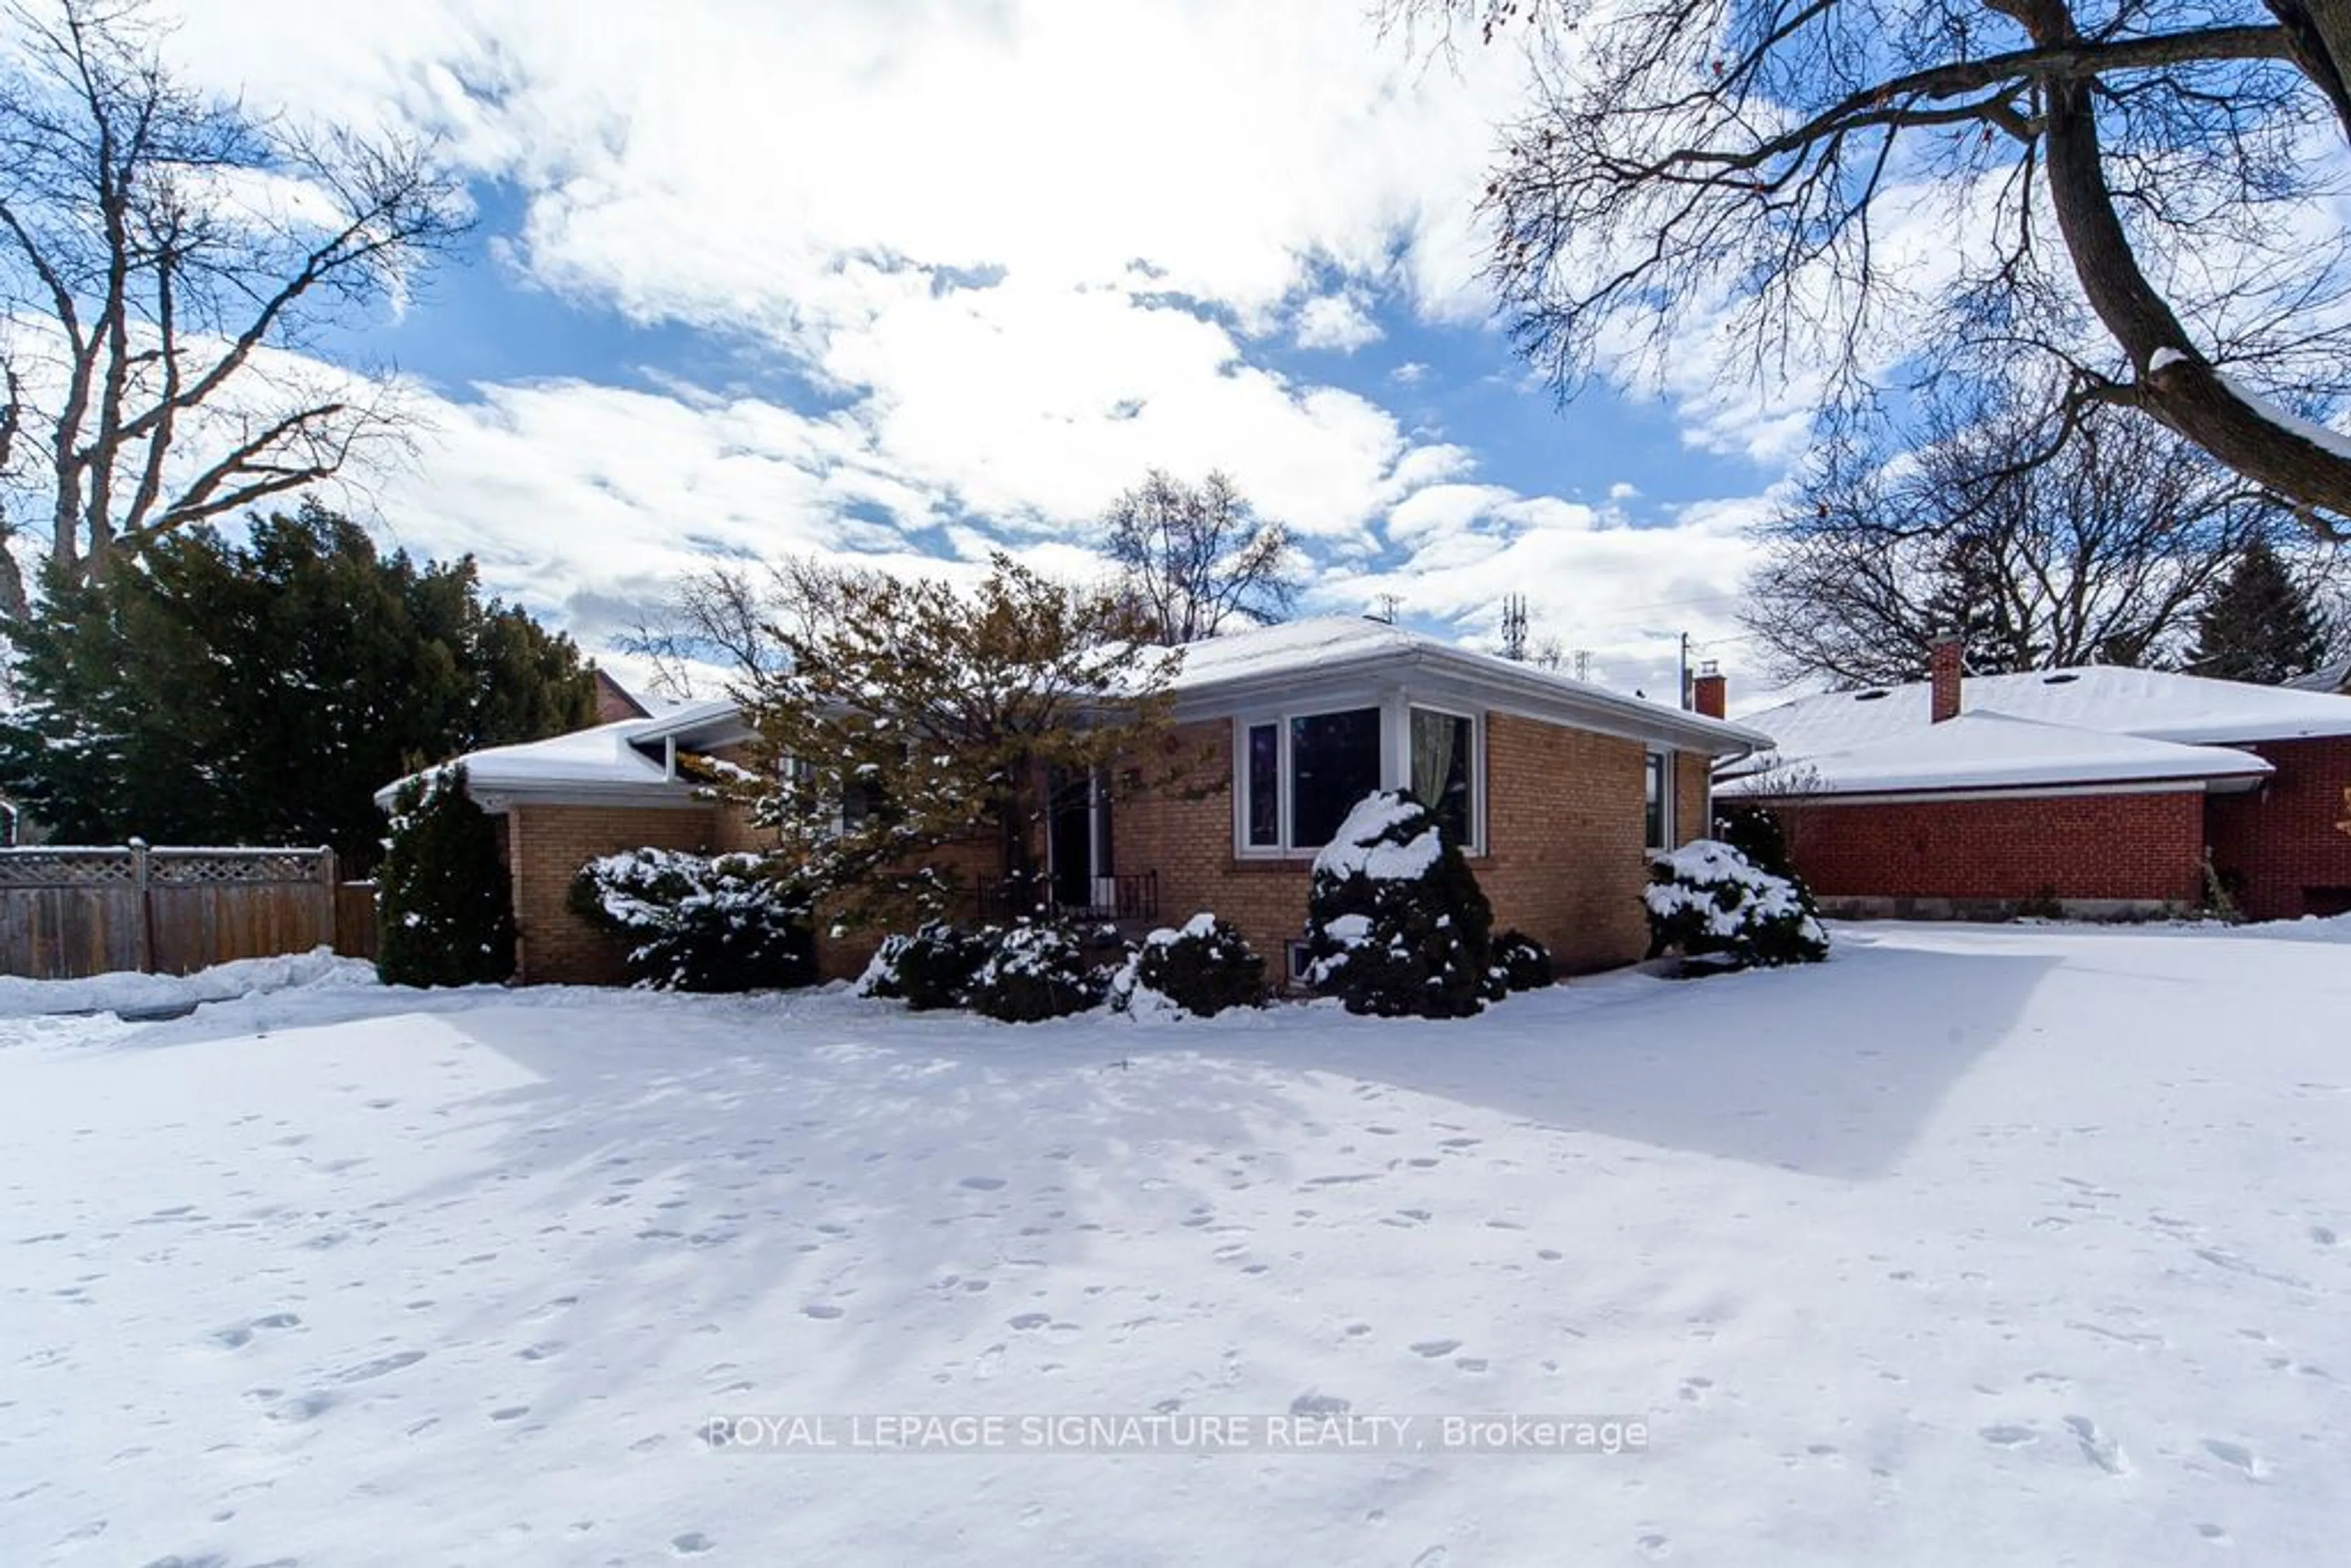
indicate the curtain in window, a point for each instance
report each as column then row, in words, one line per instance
column 1432, row 754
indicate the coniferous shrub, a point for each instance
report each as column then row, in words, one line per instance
column 1708, row 902
column 1037, row 969
column 1522, row 963
column 1199, row 971
column 1395, row 922
column 933, row 967
column 699, row 923
column 443, row 903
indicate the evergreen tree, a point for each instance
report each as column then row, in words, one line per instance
column 446, row 906
column 262, row 693
column 2260, row 625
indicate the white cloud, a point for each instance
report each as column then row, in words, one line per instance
column 1337, row 321
column 1026, row 247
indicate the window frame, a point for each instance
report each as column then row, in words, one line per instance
column 1659, row 761
column 1395, row 711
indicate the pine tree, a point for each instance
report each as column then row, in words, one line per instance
column 445, row 907
column 2260, row 625
column 262, row 693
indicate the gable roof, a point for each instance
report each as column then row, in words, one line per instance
column 1982, row 749
column 603, row 763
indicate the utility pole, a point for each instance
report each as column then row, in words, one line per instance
column 1583, row 663
column 1686, row 680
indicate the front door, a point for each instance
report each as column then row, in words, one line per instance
column 1077, row 842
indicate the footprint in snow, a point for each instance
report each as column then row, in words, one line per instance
column 381, row 1366
column 2096, row 1447
column 1432, row 1348
column 981, row 1182
column 2008, row 1436
column 2236, row 1456
column 693, row 1544
column 822, row 1310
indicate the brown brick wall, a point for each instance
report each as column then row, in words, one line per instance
column 1565, row 859
column 2280, row 846
column 1564, row 829
column 546, row 847
column 2075, row 846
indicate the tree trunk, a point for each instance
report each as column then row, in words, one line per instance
column 2183, row 391
column 2319, row 33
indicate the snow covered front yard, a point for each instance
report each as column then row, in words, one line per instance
column 2026, row 1244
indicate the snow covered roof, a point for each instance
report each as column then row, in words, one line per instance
column 1294, row 658
column 2154, row 705
column 1982, row 749
column 602, row 763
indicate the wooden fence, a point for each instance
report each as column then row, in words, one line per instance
column 69, row 911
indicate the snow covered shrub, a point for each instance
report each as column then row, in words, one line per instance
column 1707, row 901
column 444, row 907
column 1199, row 971
column 699, row 923
column 1395, row 922
column 1522, row 963
column 1037, row 971
column 1756, row 832
column 931, row 969
column 880, row 978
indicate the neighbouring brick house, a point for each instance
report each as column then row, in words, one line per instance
column 2101, row 788
column 1557, row 787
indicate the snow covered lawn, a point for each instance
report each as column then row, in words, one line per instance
column 2021, row 1245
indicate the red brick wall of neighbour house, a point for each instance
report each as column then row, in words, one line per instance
column 2069, row 846
column 546, row 847
column 2280, row 845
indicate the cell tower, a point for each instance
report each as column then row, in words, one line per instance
column 1514, row 627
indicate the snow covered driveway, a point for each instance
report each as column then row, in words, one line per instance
column 2024, row 1245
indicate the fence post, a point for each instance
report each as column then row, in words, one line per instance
column 139, row 876
column 327, row 883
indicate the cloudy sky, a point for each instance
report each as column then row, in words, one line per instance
column 915, row 278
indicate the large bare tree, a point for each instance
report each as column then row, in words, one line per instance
column 2141, row 194
column 1192, row 558
column 2102, row 554
column 160, row 253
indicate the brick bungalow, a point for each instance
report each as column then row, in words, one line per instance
column 2102, row 789
column 1557, row 787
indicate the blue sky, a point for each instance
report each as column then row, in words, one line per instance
column 908, row 280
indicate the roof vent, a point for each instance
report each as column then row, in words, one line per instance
column 2060, row 678
column 1871, row 697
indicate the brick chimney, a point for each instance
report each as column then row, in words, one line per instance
column 1943, row 671
column 1707, row 690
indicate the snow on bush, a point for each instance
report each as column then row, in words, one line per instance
column 443, row 903
column 933, row 967
column 1707, row 901
column 1037, row 970
column 699, row 923
column 1395, row 922
column 1522, row 963
column 1197, row 971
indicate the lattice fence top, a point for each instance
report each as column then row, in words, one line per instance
column 89, row 866
column 66, row 867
